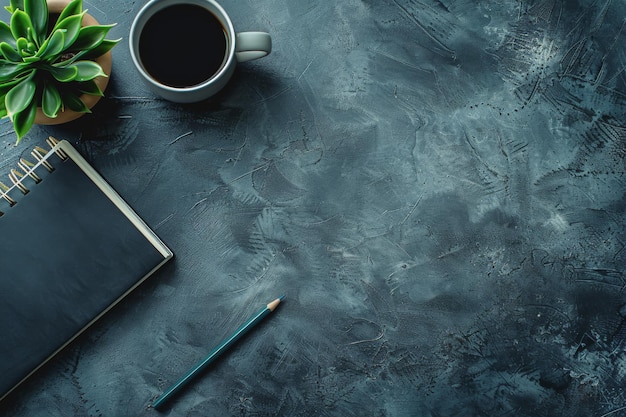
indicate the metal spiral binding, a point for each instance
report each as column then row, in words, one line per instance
column 27, row 168
column 5, row 189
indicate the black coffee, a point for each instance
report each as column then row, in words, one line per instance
column 182, row 45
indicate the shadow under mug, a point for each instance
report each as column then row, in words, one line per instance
column 169, row 48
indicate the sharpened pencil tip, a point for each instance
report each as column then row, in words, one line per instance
column 272, row 306
column 282, row 297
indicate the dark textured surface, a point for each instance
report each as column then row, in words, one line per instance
column 437, row 186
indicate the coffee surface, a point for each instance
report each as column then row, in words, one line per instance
column 182, row 45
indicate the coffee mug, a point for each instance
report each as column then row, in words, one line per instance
column 186, row 50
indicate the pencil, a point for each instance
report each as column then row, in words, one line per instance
column 243, row 329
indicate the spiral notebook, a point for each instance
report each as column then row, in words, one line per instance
column 70, row 249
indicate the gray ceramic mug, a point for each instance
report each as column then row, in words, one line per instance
column 186, row 50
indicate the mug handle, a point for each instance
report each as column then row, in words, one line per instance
column 252, row 45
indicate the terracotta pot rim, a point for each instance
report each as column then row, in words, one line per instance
column 105, row 61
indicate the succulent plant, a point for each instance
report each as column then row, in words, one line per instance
column 46, row 63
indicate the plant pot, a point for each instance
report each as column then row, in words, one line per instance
column 105, row 61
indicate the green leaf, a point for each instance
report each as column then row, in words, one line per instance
column 31, row 59
column 14, row 5
column 20, row 96
column 5, row 87
column 10, row 70
column 50, row 100
column 64, row 74
column 23, row 121
column 5, row 34
column 52, row 46
column 87, row 70
column 73, row 8
column 38, row 12
column 72, row 27
column 21, row 26
column 73, row 102
column 104, row 47
column 9, row 52
column 22, row 46
column 90, row 87
column 90, row 37
column 3, row 110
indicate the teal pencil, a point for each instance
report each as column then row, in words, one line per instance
column 253, row 321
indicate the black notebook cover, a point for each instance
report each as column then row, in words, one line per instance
column 71, row 248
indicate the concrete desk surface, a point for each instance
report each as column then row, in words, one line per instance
column 437, row 187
